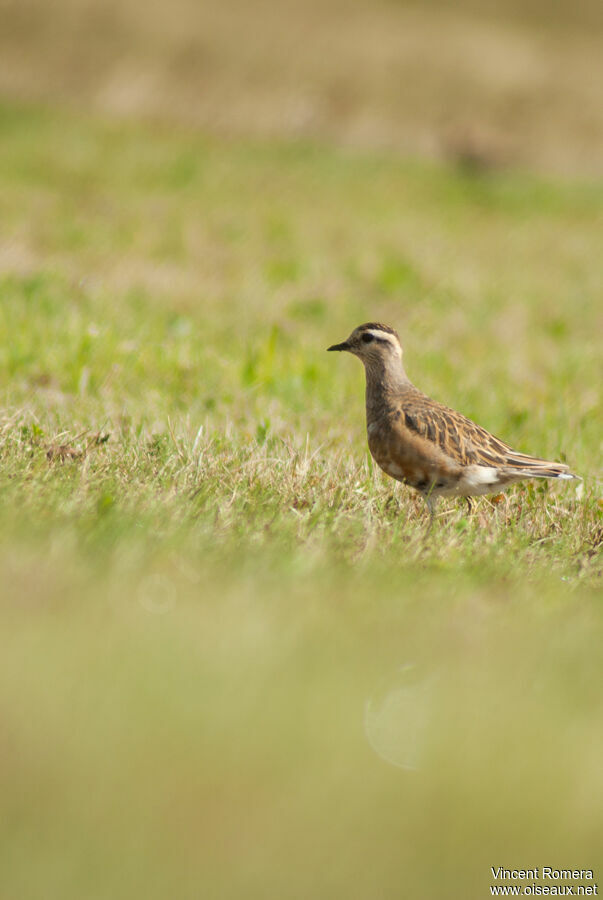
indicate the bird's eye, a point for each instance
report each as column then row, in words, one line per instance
column 367, row 338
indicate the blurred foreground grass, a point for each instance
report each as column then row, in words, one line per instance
column 232, row 663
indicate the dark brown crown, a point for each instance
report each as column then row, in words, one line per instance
column 377, row 326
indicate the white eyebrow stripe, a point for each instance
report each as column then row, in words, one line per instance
column 382, row 335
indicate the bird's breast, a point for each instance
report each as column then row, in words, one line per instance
column 386, row 450
column 407, row 457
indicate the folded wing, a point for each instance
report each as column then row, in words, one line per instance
column 468, row 444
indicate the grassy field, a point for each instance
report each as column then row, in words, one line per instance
column 518, row 82
column 233, row 664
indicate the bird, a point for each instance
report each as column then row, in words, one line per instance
column 424, row 444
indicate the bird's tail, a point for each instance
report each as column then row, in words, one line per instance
column 531, row 467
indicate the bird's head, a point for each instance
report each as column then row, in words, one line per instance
column 373, row 343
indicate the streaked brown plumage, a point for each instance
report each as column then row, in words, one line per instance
column 423, row 443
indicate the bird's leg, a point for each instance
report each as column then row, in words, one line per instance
column 431, row 504
column 469, row 505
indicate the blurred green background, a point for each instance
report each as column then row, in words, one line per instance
column 514, row 80
column 233, row 663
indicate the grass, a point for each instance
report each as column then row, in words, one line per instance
column 514, row 81
column 220, row 624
